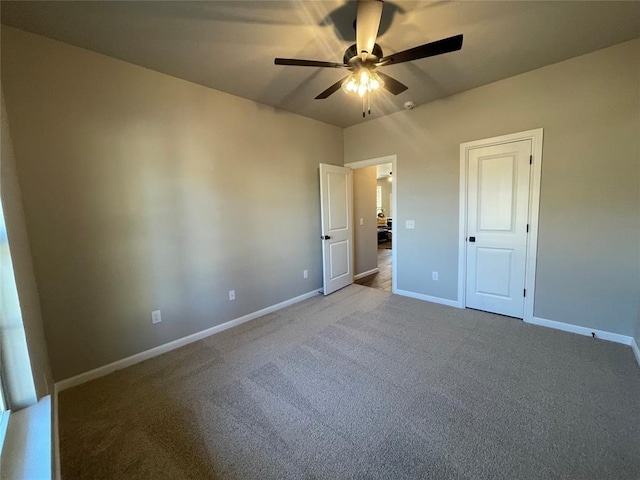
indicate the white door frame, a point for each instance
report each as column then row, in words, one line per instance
column 394, row 208
column 534, row 208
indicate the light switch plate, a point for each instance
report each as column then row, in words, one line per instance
column 410, row 224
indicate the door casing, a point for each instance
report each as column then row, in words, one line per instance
column 534, row 207
column 394, row 201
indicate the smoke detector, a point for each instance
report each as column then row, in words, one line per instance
column 409, row 105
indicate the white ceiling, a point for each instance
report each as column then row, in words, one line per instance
column 230, row 45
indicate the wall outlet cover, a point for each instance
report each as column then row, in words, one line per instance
column 156, row 317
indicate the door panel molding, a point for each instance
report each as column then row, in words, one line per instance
column 536, row 137
column 336, row 210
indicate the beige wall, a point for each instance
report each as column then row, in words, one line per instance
column 22, row 330
column 589, row 107
column 142, row 192
column 364, row 207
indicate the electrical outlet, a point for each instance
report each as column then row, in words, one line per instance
column 434, row 275
column 410, row 224
column 362, row 221
column 155, row 317
column 305, row 274
column 232, row 295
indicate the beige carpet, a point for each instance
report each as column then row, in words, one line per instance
column 364, row 384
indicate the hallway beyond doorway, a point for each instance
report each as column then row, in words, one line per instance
column 382, row 279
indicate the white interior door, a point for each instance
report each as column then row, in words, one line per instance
column 497, row 227
column 336, row 193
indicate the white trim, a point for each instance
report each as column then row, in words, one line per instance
column 427, row 298
column 568, row 327
column 636, row 350
column 366, row 274
column 4, row 423
column 27, row 450
column 167, row 347
column 57, row 472
column 393, row 160
column 371, row 162
column 534, row 210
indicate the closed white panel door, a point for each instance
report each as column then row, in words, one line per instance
column 336, row 194
column 498, row 211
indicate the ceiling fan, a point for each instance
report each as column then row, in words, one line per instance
column 363, row 58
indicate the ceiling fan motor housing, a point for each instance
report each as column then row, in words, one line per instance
column 351, row 54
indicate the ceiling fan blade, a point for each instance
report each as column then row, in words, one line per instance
column 367, row 23
column 432, row 49
column 332, row 89
column 391, row 84
column 307, row 63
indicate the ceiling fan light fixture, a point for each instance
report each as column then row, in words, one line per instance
column 366, row 55
column 362, row 82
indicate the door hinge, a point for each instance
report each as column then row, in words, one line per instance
column 530, row 159
column 527, row 228
column 524, row 293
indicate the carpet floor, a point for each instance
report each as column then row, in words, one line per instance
column 363, row 384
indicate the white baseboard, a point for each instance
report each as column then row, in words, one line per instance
column 366, row 274
column 636, row 350
column 568, row 327
column 167, row 347
column 428, row 298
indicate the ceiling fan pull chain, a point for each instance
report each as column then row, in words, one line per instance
column 363, row 109
column 369, row 103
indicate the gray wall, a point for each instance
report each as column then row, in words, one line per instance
column 25, row 332
column 364, row 206
column 589, row 107
column 142, row 192
column 637, row 332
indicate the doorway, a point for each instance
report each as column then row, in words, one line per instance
column 375, row 192
column 499, row 203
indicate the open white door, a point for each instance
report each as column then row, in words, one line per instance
column 336, row 197
column 497, row 227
